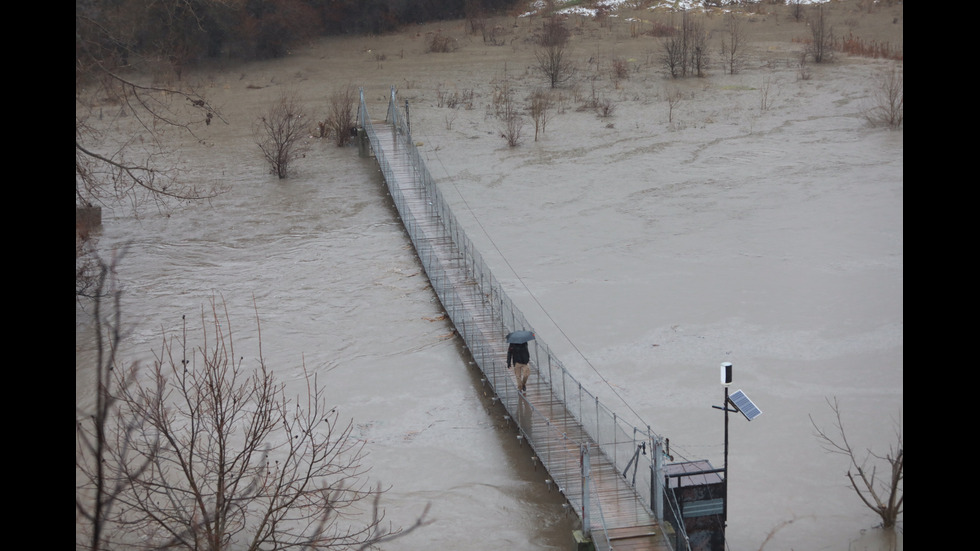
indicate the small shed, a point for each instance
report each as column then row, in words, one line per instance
column 698, row 490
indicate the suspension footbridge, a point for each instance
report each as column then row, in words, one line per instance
column 611, row 473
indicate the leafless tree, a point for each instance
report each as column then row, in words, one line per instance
column 686, row 51
column 884, row 496
column 592, row 101
column 888, row 99
column 479, row 21
column 207, row 453
column 765, row 93
column 476, row 17
column 551, row 54
column 804, row 71
column 554, row 64
column 341, row 117
column 821, row 47
column 513, row 123
column 280, row 133
column 620, row 70
column 605, row 107
column 673, row 96
column 127, row 119
column 700, row 57
column 451, row 118
column 733, row 47
column 796, row 10
column 123, row 120
column 97, row 440
column 553, row 32
column 674, row 55
column 505, row 109
column 540, row 106
column 439, row 43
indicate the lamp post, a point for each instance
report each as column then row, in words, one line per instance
column 746, row 407
column 726, row 381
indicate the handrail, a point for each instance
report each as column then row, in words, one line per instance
column 617, row 440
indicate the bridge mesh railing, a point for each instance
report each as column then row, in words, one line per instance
column 483, row 315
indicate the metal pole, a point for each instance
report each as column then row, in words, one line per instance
column 408, row 121
column 657, row 478
column 586, row 473
column 724, row 511
column 598, row 437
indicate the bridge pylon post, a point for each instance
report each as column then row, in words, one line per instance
column 586, row 478
column 363, row 143
column 657, row 478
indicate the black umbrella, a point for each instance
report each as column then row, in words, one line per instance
column 518, row 337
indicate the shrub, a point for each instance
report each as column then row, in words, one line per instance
column 822, row 33
column 853, row 45
column 888, row 100
column 439, row 43
column 554, row 32
column 620, row 69
column 341, row 120
column 279, row 133
column 658, row 29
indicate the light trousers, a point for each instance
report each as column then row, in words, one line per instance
column 522, row 372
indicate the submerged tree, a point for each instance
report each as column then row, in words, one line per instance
column 733, row 47
column 341, row 116
column 821, row 46
column 888, row 99
column 552, row 58
column 685, row 52
column 205, row 452
column 509, row 113
column 885, row 495
column 279, row 133
column 540, row 104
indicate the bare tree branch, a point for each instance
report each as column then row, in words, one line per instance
column 888, row 99
column 205, row 452
column 97, row 491
column 107, row 84
column 341, row 116
column 279, row 133
column 884, row 497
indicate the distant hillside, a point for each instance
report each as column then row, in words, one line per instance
column 185, row 32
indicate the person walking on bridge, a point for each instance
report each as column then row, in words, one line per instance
column 518, row 354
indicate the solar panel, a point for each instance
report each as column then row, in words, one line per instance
column 745, row 405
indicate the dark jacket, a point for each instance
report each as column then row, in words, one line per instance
column 518, row 354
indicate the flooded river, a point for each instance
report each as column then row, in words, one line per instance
column 337, row 285
column 645, row 253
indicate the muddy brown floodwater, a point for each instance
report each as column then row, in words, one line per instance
column 759, row 220
column 337, row 286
